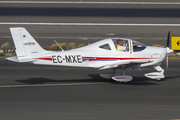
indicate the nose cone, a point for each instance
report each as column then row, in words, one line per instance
column 168, row 50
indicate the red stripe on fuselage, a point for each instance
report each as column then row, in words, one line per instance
column 107, row 58
column 50, row 59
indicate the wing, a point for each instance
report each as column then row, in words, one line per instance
column 114, row 65
column 124, row 62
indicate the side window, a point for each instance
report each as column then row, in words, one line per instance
column 105, row 46
column 122, row 45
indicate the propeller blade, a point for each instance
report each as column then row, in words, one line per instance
column 168, row 50
column 167, row 60
column 168, row 39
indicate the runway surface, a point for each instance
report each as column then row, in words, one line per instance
column 45, row 92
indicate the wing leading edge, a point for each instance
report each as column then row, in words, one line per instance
column 121, row 63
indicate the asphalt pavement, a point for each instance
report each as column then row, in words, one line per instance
column 46, row 92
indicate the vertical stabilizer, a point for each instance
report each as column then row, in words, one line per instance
column 25, row 44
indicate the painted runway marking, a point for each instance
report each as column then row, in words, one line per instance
column 91, row 24
column 48, row 85
column 174, row 119
column 61, row 2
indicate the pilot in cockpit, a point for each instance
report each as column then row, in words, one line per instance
column 119, row 46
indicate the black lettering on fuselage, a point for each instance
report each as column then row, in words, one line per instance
column 74, row 58
column 59, row 59
column 79, row 59
column 54, row 59
column 68, row 59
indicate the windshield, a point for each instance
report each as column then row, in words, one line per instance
column 137, row 46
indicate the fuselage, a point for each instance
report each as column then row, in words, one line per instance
column 102, row 53
column 111, row 53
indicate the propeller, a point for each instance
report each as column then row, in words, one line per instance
column 168, row 38
column 168, row 50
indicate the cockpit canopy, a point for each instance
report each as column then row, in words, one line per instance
column 122, row 44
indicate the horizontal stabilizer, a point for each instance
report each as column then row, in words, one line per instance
column 20, row 59
column 15, row 59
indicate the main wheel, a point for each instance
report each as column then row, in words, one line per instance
column 158, row 79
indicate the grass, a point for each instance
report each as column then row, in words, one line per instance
column 3, row 47
column 80, row 45
column 174, row 55
column 64, row 46
column 54, row 47
column 71, row 45
column 156, row 45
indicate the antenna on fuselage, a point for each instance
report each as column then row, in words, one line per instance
column 58, row 45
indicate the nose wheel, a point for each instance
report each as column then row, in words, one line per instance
column 158, row 79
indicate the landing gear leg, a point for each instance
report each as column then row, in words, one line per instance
column 123, row 71
column 156, row 75
column 159, row 69
column 113, row 72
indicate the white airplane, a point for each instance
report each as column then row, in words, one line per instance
column 111, row 53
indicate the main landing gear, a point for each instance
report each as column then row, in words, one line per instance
column 117, row 77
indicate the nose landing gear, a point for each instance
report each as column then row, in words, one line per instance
column 156, row 75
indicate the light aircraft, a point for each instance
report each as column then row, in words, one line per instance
column 110, row 53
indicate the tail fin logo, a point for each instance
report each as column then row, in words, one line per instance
column 29, row 43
